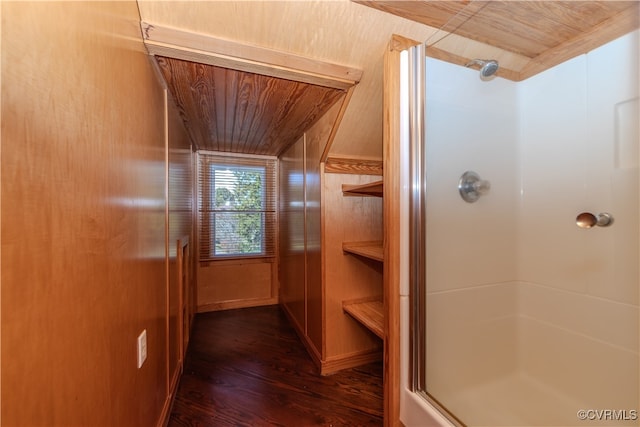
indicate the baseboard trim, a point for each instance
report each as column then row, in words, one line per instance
column 168, row 403
column 316, row 357
column 332, row 364
column 337, row 363
column 228, row 305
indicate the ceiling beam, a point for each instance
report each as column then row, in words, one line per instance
column 174, row 43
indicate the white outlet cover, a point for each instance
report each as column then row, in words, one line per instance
column 142, row 348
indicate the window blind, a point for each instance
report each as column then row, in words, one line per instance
column 236, row 206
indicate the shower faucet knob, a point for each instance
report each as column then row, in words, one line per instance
column 589, row 220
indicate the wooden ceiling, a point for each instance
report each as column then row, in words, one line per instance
column 336, row 32
column 531, row 36
column 241, row 112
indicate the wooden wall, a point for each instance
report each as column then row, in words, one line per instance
column 301, row 291
column 85, row 176
column 315, row 139
column 237, row 283
column 224, row 284
column 315, row 274
column 180, row 176
column 301, row 284
column 291, row 231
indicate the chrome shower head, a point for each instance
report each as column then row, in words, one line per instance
column 488, row 67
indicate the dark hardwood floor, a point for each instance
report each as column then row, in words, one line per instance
column 247, row 367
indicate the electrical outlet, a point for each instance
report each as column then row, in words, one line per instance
column 142, row 348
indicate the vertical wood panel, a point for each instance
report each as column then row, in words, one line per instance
column 83, row 217
column 316, row 139
column 391, row 159
column 236, row 283
column 391, row 209
column 301, row 193
column 292, row 234
column 180, row 205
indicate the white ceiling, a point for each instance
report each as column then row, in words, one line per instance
column 336, row 31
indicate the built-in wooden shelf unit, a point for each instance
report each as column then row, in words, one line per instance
column 372, row 250
column 368, row 311
column 373, row 189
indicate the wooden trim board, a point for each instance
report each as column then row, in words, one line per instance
column 391, row 213
column 335, row 364
column 336, row 125
column 353, row 166
column 174, row 43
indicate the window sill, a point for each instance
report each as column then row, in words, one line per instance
column 239, row 260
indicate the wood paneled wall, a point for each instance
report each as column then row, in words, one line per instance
column 291, row 230
column 237, row 283
column 315, row 274
column 300, row 224
column 85, row 176
column 315, row 140
column 180, row 176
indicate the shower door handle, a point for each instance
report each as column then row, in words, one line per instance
column 589, row 220
column 471, row 187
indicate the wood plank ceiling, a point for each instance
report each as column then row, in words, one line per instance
column 531, row 36
column 241, row 112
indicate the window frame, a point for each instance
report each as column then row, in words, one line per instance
column 207, row 163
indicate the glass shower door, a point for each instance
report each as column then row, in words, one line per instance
column 531, row 318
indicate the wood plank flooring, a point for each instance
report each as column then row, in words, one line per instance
column 247, row 367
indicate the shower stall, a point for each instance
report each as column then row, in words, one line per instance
column 525, row 308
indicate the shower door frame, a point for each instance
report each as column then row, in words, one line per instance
column 403, row 395
column 392, row 168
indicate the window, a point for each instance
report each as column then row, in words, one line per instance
column 236, row 206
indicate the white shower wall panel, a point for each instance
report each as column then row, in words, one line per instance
column 471, row 302
column 579, row 289
column 582, row 346
column 576, row 119
column 612, row 164
column 553, row 135
column 472, row 338
column 470, row 126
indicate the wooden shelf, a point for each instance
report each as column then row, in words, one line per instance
column 369, row 312
column 373, row 250
column 373, row 189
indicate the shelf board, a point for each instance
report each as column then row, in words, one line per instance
column 373, row 250
column 373, row 189
column 369, row 312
